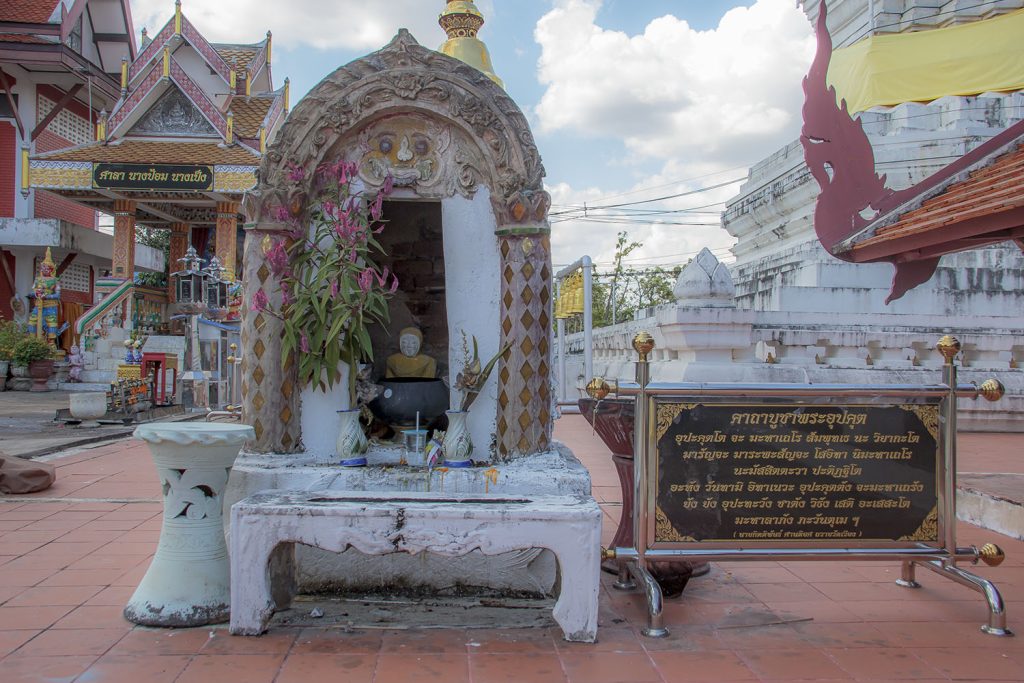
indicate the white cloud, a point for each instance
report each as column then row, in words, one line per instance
column 695, row 102
column 668, row 240
column 732, row 93
column 350, row 24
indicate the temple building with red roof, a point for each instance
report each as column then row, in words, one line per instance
column 175, row 133
column 59, row 67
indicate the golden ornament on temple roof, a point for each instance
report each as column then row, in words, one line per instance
column 461, row 21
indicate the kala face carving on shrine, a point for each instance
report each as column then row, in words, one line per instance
column 409, row 149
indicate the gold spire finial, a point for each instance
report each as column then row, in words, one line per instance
column 461, row 21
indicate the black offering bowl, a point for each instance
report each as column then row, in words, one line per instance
column 403, row 397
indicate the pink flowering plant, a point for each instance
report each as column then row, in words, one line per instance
column 332, row 288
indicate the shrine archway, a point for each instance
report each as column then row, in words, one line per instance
column 460, row 136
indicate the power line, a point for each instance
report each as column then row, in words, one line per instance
column 632, row 221
column 669, row 184
column 586, row 208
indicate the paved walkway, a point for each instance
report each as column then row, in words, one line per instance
column 28, row 428
column 70, row 558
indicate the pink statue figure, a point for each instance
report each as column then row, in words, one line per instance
column 76, row 361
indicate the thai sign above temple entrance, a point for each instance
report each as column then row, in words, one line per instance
column 152, row 177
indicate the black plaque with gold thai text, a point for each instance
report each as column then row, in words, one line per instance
column 152, row 177
column 742, row 473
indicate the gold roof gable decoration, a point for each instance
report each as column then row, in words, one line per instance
column 461, row 21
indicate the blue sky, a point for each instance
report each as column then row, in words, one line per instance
column 627, row 98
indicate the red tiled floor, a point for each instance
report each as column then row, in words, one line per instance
column 514, row 668
column 12, row 640
column 509, row 641
column 144, row 641
column 63, row 592
column 335, row 641
column 31, row 617
column 310, row 668
column 687, row 667
column 231, row 669
column 91, row 641
column 53, row 595
column 877, row 662
column 971, row 663
column 220, row 641
column 610, row 667
column 440, row 668
column 94, row 616
column 148, row 669
column 49, row 668
column 792, row 664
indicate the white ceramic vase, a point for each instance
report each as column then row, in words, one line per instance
column 88, row 406
column 351, row 444
column 458, row 446
column 188, row 581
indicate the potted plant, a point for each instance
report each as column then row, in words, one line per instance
column 332, row 289
column 10, row 334
column 37, row 354
column 457, row 444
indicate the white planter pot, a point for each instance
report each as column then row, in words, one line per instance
column 187, row 583
column 88, row 406
column 458, row 446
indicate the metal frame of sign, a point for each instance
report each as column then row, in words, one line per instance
column 939, row 555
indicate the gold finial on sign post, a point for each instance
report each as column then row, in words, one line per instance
column 598, row 388
column 991, row 390
column 643, row 343
column 991, row 554
column 948, row 346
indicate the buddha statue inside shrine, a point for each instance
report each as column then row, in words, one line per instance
column 410, row 362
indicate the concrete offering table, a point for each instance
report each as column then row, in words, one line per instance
column 265, row 528
column 187, row 583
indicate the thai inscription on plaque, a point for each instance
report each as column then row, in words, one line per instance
column 152, row 177
column 742, row 473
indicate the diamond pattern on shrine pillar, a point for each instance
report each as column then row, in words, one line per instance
column 269, row 398
column 525, row 260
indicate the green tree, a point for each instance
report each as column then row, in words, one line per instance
column 624, row 290
column 156, row 238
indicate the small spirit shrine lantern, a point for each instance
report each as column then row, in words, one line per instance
column 216, row 294
column 189, row 281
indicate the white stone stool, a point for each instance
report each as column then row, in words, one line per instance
column 187, row 581
column 265, row 527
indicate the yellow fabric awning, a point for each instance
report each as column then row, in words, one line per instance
column 885, row 70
